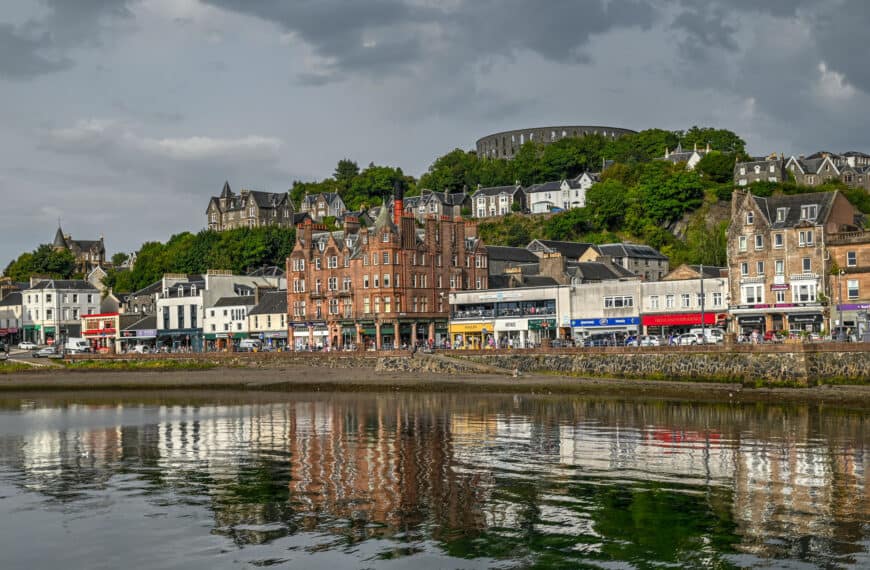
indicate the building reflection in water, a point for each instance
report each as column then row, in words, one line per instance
column 474, row 474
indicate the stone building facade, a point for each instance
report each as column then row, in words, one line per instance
column 507, row 143
column 760, row 169
column 89, row 254
column 850, row 279
column 851, row 168
column 249, row 209
column 379, row 286
column 497, row 200
column 777, row 259
column 319, row 206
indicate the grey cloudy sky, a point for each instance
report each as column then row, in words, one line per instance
column 123, row 116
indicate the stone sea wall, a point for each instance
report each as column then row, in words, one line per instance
column 778, row 365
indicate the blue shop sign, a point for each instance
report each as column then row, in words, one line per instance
column 612, row 322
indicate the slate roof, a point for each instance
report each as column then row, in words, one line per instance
column 59, row 240
column 597, row 271
column 75, row 284
column 552, row 186
column 823, row 200
column 148, row 322
column 569, row 249
column 11, row 300
column 710, row 271
column 267, row 271
column 271, row 303
column 496, row 190
column 516, row 254
column 633, row 250
column 538, row 281
column 155, row 287
column 234, row 301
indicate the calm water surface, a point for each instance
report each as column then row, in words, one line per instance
column 429, row 481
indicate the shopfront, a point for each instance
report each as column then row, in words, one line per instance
column 747, row 324
column 310, row 335
column 9, row 335
column 618, row 326
column 472, row 336
column 180, row 340
column 805, row 322
column 678, row 323
column 101, row 331
column 853, row 316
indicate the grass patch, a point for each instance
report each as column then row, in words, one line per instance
column 7, row 367
column 138, row 365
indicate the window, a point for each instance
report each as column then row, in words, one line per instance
column 181, row 316
column 701, row 300
column 809, row 212
column 365, row 281
column 48, row 298
column 75, row 298
column 386, row 279
column 804, row 292
column 193, row 316
column 333, row 306
column 317, row 264
column 851, row 258
column 807, row 267
column 685, row 301
column 752, row 294
column 852, row 288
column 717, row 299
column 779, row 267
column 618, row 302
column 345, row 284
column 741, row 243
column 332, row 284
column 165, row 317
column 759, row 268
column 332, row 263
column 386, row 258
column 780, row 214
column 750, row 218
column 805, row 238
column 777, row 241
column 376, row 281
column 654, row 302
column 759, row 242
column 385, row 237
column 669, row 301
column 744, row 269
column 387, row 306
column 779, row 297
column 49, row 314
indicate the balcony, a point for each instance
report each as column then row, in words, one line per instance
column 849, row 237
column 803, row 276
column 316, row 294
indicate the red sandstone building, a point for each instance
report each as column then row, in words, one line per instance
column 382, row 286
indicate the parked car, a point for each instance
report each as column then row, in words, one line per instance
column 645, row 340
column 600, row 339
column 687, row 339
column 26, row 345
column 47, row 352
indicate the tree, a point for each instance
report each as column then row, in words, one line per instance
column 665, row 192
column 570, row 157
column 452, row 172
column 372, row 185
column 717, row 166
column 640, row 147
column 119, row 259
column 44, row 260
column 722, row 140
column 345, row 171
column 606, row 203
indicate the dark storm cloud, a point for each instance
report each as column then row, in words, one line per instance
column 38, row 46
column 361, row 37
column 20, row 56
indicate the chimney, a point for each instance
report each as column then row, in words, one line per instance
column 667, row 152
column 708, row 147
column 398, row 203
column 351, row 225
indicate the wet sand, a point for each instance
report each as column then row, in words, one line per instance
column 313, row 379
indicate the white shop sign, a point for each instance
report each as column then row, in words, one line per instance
column 511, row 325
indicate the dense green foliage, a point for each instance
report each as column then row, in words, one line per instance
column 240, row 250
column 357, row 188
column 42, row 261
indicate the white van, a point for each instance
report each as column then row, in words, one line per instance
column 250, row 345
column 76, row 345
column 711, row 335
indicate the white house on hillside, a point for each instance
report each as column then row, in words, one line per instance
column 560, row 195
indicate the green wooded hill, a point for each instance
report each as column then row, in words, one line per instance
column 682, row 213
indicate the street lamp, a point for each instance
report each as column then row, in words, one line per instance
column 840, row 273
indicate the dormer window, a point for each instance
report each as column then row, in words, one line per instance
column 385, row 237
column 321, row 246
column 750, row 218
column 780, row 214
column 809, row 212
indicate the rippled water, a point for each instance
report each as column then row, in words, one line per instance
column 428, row 481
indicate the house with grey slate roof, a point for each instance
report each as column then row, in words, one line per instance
column 769, row 168
column 249, row 209
column 321, row 205
column 560, row 195
column 430, row 203
column 497, row 200
column 691, row 158
column 267, row 321
column 851, row 168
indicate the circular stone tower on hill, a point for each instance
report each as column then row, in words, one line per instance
column 507, row 143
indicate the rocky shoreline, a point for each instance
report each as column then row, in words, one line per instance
column 302, row 378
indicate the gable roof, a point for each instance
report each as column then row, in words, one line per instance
column 11, row 300
column 569, row 249
column 75, row 284
column 496, row 190
column 271, row 303
column 234, row 301
column 635, row 250
column 598, row 271
column 824, row 201
column 515, row 254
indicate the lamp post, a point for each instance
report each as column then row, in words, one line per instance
column 703, row 335
column 840, row 273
